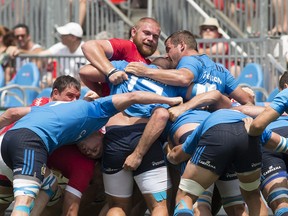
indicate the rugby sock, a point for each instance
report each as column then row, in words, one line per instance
column 282, row 212
column 183, row 212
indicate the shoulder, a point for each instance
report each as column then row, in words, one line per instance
column 40, row 101
column 57, row 48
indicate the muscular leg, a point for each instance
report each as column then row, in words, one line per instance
column 6, row 198
column 251, row 195
column 156, row 207
column 48, row 188
column 281, row 202
column 119, row 206
column 203, row 205
column 232, row 199
column 201, row 176
column 70, row 204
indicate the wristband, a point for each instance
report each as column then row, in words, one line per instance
column 112, row 71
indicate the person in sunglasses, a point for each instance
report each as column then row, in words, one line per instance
column 218, row 49
column 209, row 29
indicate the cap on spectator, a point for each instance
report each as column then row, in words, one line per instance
column 210, row 22
column 71, row 28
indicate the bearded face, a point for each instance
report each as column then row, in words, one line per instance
column 146, row 38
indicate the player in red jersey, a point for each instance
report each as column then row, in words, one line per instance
column 141, row 45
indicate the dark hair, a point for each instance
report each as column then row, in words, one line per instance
column 283, row 80
column 22, row 25
column 183, row 36
column 62, row 82
column 9, row 39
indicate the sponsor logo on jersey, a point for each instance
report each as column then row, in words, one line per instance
column 212, row 78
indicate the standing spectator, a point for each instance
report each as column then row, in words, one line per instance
column 82, row 10
column 280, row 14
column 70, row 45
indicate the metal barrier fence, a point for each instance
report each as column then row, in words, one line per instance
column 238, row 18
column 241, row 52
column 257, row 50
column 51, row 67
column 43, row 16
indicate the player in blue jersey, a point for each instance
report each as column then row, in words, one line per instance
column 183, row 127
column 274, row 169
column 129, row 136
column 211, row 154
column 46, row 128
column 192, row 67
column 277, row 107
column 274, row 172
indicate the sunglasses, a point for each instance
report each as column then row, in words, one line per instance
column 211, row 28
column 21, row 35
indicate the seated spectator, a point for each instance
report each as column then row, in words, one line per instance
column 24, row 42
column 23, row 45
column 6, row 40
column 209, row 29
column 71, row 40
column 3, row 31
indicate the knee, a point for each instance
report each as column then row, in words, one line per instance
column 161, row 113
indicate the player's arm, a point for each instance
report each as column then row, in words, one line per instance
column 249, row 110
column 92, row 78
column 180, row 77
column 212, row 98
column 242, row 96
column 13, row 114
column 177, row 155
column 262, row 120
column 98, row 53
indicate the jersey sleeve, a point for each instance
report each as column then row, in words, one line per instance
column 280, row 102
column 266, row 135
column 191, row 64
column 231, row 82
column 120, row 65
column 126, row 50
